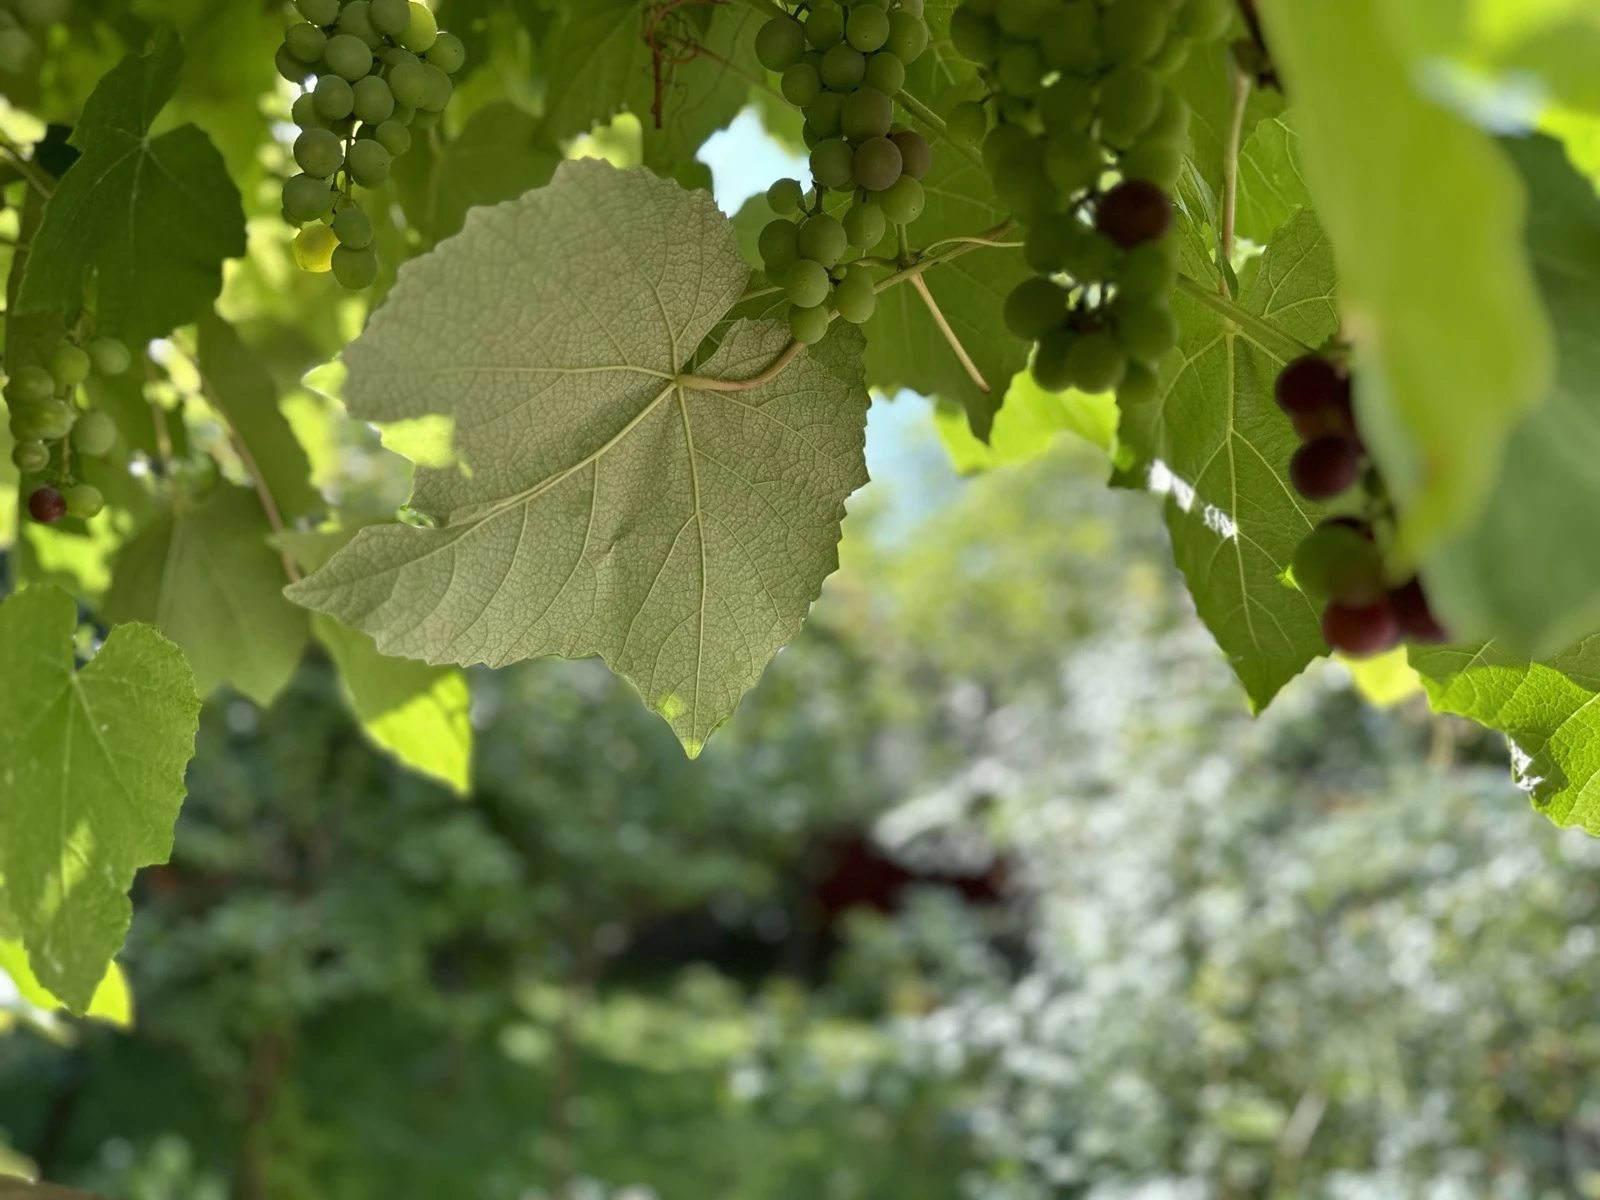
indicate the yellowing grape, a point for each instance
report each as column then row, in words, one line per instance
column 314, row 247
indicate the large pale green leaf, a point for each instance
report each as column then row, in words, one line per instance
column 599, row 63
column 149, row 218
column 1523, row 571
column 1027, row 425
column 111, row 1002
column 1206, row 82
column 92, row 763
column 1546, row 709
column 241, row 388
column 419, row 714
column 1426, row 216
column 500, row 153
column 1271, row 187
column 19, row 1189
column 206, row 577
column 607, row 504
column 1216, row 445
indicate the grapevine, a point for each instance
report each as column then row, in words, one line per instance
column 371, row 73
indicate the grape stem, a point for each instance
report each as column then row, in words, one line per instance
column 1263, row 333
column 1239, row 102
column 933, row 121
column 701, row 383
column 26, row 167
column 971, row 368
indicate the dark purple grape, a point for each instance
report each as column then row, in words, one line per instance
column 1325, row 468
column 47, row 506
column 1415, row 617
column 1312, row 384
column 915, row 152
column 1360, row 630
column 1134, row 212
column 1322, row 423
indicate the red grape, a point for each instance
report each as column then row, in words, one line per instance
column 1416, row 619
column 47, row 506
column 1325, row 468
column 1312, row 384
column 1360, row 630
column 1133, row 212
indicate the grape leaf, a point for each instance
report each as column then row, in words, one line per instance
column 206, row 577
column 500, row 153
column 93, row 765
column 609, row 505
column 112, row 1002
column 1271, row 187
column 241, row 388
column 152, row 218
column 1216, row 445
column 17, row 1189
column 599, row 63
column 905, row 348
column 1206, row 82
column 1546, row 709
column 1519, row 571
column 1454, row 346
column 1028, row 424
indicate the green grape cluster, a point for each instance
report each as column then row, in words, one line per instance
column 1083, row 138
column 23, row 23
column 51, row 422
column 842, row 65
column 371, row 73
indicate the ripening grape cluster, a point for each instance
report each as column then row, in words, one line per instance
column 1341, row 562
column 23, row 25
column 842, row 65
column 50, row 424
column 1083, row 138
column 372, row 73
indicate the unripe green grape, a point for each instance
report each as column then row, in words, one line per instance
column 1022, row 18
column 914, row 7
column 390, row 16
column 393, row 56
column 41, row 14
column 1073, row 162
column 30, row 457
column 808, row 324
column 1134, row 30
column 409, row 83
column 1070, row 40
column 423, row 120
column 904, row 200
column 800, row 85
column 807, row 283
column 355, row 269
column 1005, row 141
column 1049, row 365
column 831, row 163
column 32, row 385
column 975, row 37
column 421, row 31
column 1048, row 242
column 84, row 501
column 916, row 156
column 1130, row 101
column 374, row 101
column 394, row 137
column 1096, row 363
column 1160, row 163
column 94, row 434
column 877, row 164
column 69, row 366
column 318, row 12
column 854, row 299
column 306, row 198
column 304, row 112
column 1091, row 257
column 1020, row 69
column 1139, row 386
column 1014, row 110
column 1171, row 58
column 344, row 128
column 843, row 68
column 1172, row 120
column 47, row 422
column 866, row 28
column 885, row 72
column 785, row 197
column 368, row 163
column 1148, row 271
column 1035, row 307
column 313, row 248
column 1205, row 20
column 780, row 43
column 319, row 152
column 967, row 123
column 811, row 136
column 823, row 115
column 867, row 113
column 447, row 53
column 353, row 228
column 865, row 224
column 823, row 240
column 1147, row 331
column 306, row 42
column 355, row 19
column 1023, row 186
column 1067, row 105
column 440, row 89
column 908, row 36
column 1337, row 561
column 110, row 356
column 779, row 246
column 824, row 27
column 334, row 98
column 290, row 67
